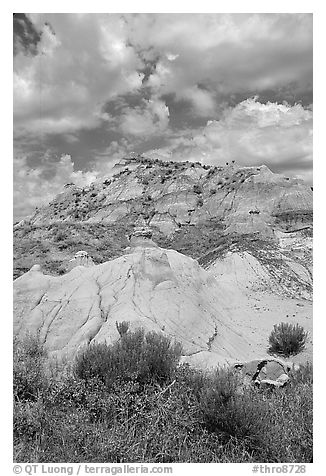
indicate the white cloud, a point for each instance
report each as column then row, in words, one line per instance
column 32, row 189
column 251, row 133
column 87, row 59
column 228, row 52
column 84, row 61
column 202, row 101
column 149, row 119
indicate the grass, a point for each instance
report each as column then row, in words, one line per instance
column 186, row 416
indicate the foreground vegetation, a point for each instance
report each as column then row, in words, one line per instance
column 287, row 339
column 132, row 402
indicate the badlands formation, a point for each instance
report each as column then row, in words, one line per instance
column 211, row 256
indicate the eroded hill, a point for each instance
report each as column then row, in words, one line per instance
column 190, row 208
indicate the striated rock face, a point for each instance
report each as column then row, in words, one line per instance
column 172, row 195
column 154, row 288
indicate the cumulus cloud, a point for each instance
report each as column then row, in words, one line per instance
column 202, row 101
column 227, row 52
column 81, row 61
column 38, row 186
column 278, row 135
column 152, row 117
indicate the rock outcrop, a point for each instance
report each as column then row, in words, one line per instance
column 172, row 195
column 81, row 258
column 272, row 373
column 151, row 287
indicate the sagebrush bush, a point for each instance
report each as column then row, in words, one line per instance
column 29, row 379
column 227, row 410
column 135, row 357
column 287, row 339
column 122, row 327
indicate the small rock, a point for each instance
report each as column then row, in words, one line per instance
column 81, row 258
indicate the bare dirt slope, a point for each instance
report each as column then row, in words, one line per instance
column 261, row 293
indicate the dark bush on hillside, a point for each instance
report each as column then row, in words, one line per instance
column 60, row 236
column 197, row 188
column 135, row 357
column 287, row 339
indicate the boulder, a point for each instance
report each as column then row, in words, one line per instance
column 264, row 372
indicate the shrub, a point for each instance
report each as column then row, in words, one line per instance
column 212, row 191
column 197, row 188
column 231, row 412
column 29, row 378
column 28, row 419
column 287, row 339
column 303, row 375
column 122, row 327
column 135, row 357
column 62, row 270
column 60, row 236
column 161, row 356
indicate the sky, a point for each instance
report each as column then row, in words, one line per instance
column 91, row 88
